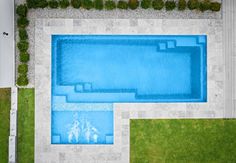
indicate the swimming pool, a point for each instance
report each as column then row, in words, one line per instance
column 114, row 68
column 93, row 69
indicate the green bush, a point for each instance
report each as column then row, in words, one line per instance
column 24, row 57
column 98, row 4
column 170, row 5
column 122, row 5
column 182, row 5
column 158, row 4
column 22, row 22
column 53, row 4
column 23, row 68
column 41, row 3
column 36, row 3
column 87, row 4
column 64, row 3
column 22, row 10
column 204, row 5
column 31, row 3
column 133, row 4
column 193, row 4
column 110, row 5
column 22, row 80
column 23, row 34
column 215, row 6
column 76, row 3
column 145, row 4
column 23, row 46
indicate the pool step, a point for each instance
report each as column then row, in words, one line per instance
column 61, row 104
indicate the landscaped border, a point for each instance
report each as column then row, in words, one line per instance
column 23, row 22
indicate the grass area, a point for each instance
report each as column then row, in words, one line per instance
column 5, row 106
column 25, row 148
column 183, row 141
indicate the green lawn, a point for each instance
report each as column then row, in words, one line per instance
column 25, row 148
column 5, row 106
column 183, row 141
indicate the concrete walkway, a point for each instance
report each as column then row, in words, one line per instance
column 229, row 51
column 7, row 50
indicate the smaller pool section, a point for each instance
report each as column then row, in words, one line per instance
column 77, row 123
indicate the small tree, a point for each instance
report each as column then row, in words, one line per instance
column 133, row 4
column 193, row 4
column 158, row 4
column 170, row 5
column 182, row 5
column 22, row 10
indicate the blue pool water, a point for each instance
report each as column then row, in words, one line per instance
column 105, row 69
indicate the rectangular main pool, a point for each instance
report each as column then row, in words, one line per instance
column 129, row 68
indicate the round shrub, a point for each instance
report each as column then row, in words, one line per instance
column 64, row 3
column 41, row 3
column 22, row 22
column 133, row 4
column 158, row 4
column 215, row 6
column 170, row 5
column 23, row 46
column 204, row 5
column 182, row 5
column 145, row 4
column 110, row 5
column 23, row 34
column 22, row 80
column 98, row 4
column 53, row 4
column 76, row 3
column 22, row 10
column 24, row 57
column 122, row 5
column 31, row 4
column 23, row 68
column 193, row 4
column 87, row 4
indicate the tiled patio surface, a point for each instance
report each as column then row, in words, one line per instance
column 119, row 152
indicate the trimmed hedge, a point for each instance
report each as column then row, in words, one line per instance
column 23, row 46
column 22, row 22
column 64, row 3
column 170, row 5
column 76, row 3
column 193, row 4
column 53, row 4
column 110, row 5
column 23, row 34
column 182, row 5
column 158, row 4
column 122, row 5
column 87, row 4
column 133, row 4
column 23, row 68
column 204, row 5
column 98, row 4
column 22, row 80
column 22, row 10
column 24, row 57
column 145, row 4
column 215, row 6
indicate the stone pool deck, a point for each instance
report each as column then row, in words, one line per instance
column 45, row 152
